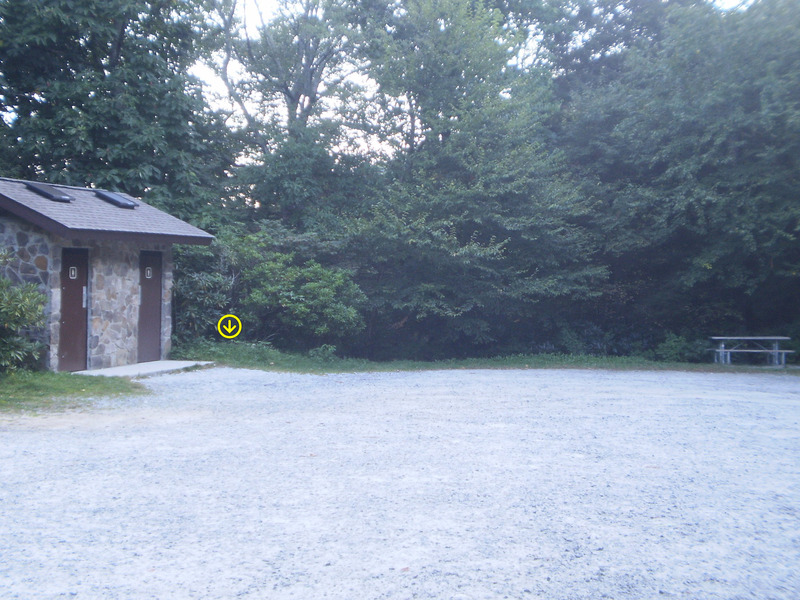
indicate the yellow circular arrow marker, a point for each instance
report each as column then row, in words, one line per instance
column 231, row 327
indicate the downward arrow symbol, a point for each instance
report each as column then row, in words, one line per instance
column 229, row 326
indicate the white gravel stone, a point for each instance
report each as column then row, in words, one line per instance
column 540, row 484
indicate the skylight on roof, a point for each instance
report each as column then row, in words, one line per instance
column 115, row 199
column 49, row 192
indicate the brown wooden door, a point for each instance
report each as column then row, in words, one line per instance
column 74, row 312
column 150, row 306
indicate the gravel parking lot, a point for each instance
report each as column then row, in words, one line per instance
column 540, row 484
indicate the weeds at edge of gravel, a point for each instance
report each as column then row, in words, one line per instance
column 27, row 391
column 261, row 355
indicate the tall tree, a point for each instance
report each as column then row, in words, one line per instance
column 97, row 92
column 691, row 155
column 291, row 84
column 436, row 59
column 477, row 228
column 298, row 59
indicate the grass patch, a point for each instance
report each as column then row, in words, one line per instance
column 261, row 355
column 35, row 391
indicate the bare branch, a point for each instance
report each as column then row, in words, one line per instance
column 228, row 20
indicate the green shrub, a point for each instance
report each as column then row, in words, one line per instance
column 571, row 342
column 201, row 292
column 676, row 348
column 297, row 301
column 21, row 311
column 279, row 296
column 306, row 300
column 325, row 353
column 200, row 299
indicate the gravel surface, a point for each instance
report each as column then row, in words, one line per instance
column 541, row 484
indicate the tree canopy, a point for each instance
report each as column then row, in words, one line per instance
column 425, row 178
column 97, row 91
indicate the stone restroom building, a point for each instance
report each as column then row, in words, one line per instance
column 104, row 260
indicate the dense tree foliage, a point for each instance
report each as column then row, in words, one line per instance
column 96, row 91
column 432, row 178
column 690, row 154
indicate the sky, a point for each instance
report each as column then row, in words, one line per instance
column 270, row 7
column 255, row 8
column 254, row 11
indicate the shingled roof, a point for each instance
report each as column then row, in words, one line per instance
column 87, row 216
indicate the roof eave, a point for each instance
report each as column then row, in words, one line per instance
column 133, row 236
column 52, row 226
column 32, row 216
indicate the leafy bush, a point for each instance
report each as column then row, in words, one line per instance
column 21, row 310
column 300, row 300
column 201, row 292
column 571, row 342
column 676, row 348
column 586, row 338
column 791, row 330
column 200, row 299
column 278, row 296
column 325, row 353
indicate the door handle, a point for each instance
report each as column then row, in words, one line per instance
column 83, row 301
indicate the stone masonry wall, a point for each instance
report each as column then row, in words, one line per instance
column 113, row 290
column 31, row 258
column 167, row 268
column 114, row 302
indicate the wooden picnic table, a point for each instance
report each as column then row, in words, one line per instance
column 769, row 345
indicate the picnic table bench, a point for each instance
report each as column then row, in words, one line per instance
column 730, row 344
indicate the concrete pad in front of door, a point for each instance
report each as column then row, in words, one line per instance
column 146, row 369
